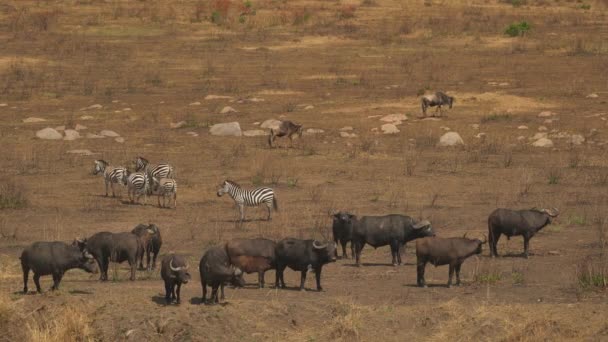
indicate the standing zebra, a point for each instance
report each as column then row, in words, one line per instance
column 248, row 198
column 165, row 187
column 111, row 174
column 162, row 170
column 138, row 184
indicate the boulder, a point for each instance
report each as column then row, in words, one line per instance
column 475, row 126
column 81, row 152
column 543, row 142
column 314, row 131
column 445, row 128
column 226, row 129
column 542, row 129
column 227, row 110
column 592, row 96
column 545, row 114
column 71, row 134
column 309, row 107
column 195, row 103
column 389, row 128
column 522, row 127
column 271, row 124
column 94, row 136
column 450, row 139
column 33, row 120
column 49, row 134
column 87, row 117
column 539, row 136
column 178, row 124
column 521, row 138
column 108, row 133
column 346, row 129
column 80, row 127
column 95, row 106
column 255, row 133
column 480, row 135
column 393, row 118
column 347, row 135
column 217, row 97
column 192, row 134
column 577, row 139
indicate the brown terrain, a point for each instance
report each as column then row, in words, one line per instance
column 326, row 65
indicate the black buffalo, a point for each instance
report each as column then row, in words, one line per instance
column 252, row 255
column 174, row 271
column 115, row 247
column 150, row 237
column 216, row 271
column 303, row 256
column 440, row 251
column 53, row 258
column 517, row 222
column 392, row 230
column 342, row 229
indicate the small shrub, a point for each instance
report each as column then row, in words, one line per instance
column 496, row 118
column 12, row 196
column 517, row 277
column 517, row 29
column 516, row 3
column 574, row 160
column 554, row 176
column 579, row 220
column 525, row 183
column 292, row 182
column 507, row 158
column 488, row 277
column 301, row 16
column 411, row 161
column 592, row 274
column 585, row 6
column 257, row 179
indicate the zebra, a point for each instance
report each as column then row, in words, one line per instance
column 438, row 99
column 164, row 187
column 162, row 170
column 111, row 174
column 249, row 198
column 138, row 184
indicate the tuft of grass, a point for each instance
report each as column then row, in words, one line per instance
column 554, row 176
column 496, row 118
column 517, row 277
column 579, row 220
column 488, row 277
column 517, row 29
column 12, row 196
column 345, row 322
column 69, row 324
column 592, row 275
column 292, row 182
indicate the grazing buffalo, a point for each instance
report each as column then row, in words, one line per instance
column 216, row 270
column 174, row 271
column 438, row 99
column 286, row 129
column 393, row 230
column 303, row 256
column 252, row 255
column 517, row 222
column 54, row 258
column 115, row 247
column 150, row 237
column 440, row 251
column 343, row 231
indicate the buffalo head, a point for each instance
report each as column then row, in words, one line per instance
column 180, row 273
column 327, row 251
column 423, row 229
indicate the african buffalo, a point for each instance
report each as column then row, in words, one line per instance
column 252, row 255
column 303, row 256
column 343, row 231
column 150, row 237
column 216, row 270
column 440, row 251
column 517, row 222
column 174, row 271
column 116, row 247
column 54, row 258
column 394, row 230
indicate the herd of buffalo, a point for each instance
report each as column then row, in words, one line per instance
column 225, row 264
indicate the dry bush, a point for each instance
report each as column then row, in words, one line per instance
column 24, row 23
column 346, row 321
column 411, row 162
column 20, row 81
column 487, row 272
column 592, row 274
column 12, row 196
column 66, row 324
column 525, row 182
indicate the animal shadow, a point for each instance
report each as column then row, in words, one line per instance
column 80, row 292
column 372, row 264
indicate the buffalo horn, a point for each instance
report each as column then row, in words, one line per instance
column 174, row 269
column 421, row 224
column 150, row 230
column 237, row 271
column 317, row 246
column 464, row 236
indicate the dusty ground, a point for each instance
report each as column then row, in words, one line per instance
column 148, row 62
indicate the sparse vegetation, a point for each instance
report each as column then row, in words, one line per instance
column 12, row 196
column 518, row 29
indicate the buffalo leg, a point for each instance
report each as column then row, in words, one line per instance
column 56, row 280
column 222, row 297
column 147, row 258
column 358, row 248
column 394, row 251
column 494, row 237
column 167, row 293
column 458, row 274
column 153, row 260
column 204, row 286
column 451, row 275
column 261, row 279
column 526, row 245
column 37, row 282
column 133, row 264
column 26, row 275
column 179, row 290
column 343, row 243
column 214, row 293
column 352, row 249
column 280, row 281
column 318, row 278
column 303, row 280
column 420, row 272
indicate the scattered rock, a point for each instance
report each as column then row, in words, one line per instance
column 178, row 124
column 115, row 101
column 227, row 110
column 33, row 120
column 94, row 136
column 553, row 252
column 592, row 96
column 126, row 109
column 445, row 128
column 389, row 128
column 450, row 139
column 522, row 127
column 394, row 118
column 87, row 117
column 481, row 135
column 254, row 99
column 3, row 104
column 195, row 104
column 475, row 126
column 521, row 138
column 95, row 106
column 192, row 134
column 542, row 129
column 577, row 139
column 49, row 134
column 81, row 152
column 255, row 133
column 539, row 136
column 226, row 129
column 60, row 128
column 347, row 135
column 430, row 119
column 346, row 129
column 503, row 84
column 71, row 134
column 217, row 97
column 309, row 107
column 80, row 127
column 314, row 131
column 548, row 121
column 256, row 123
column 271, row 124
column 543, row 142
column 119, row 140
column 545, row 114
column 108, row 133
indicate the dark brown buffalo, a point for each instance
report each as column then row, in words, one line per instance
column 216, row 271
column 342, row 229
column 286, row 129
column 174, row 271
column 53, row 258
column 441, row 251
column 303, row 256
column 115, row 247
column 150, row 237
column 252, row 255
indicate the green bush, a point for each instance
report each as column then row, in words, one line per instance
column 518, row 29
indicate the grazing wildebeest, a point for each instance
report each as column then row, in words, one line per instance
column 151, row 240
column 174, row 271
column 54, row 258
column 393, row 230
column 252, row 255
column 303, row 256
column 440, row 251
column 216, row 271
column 286, row 129
column 343, row 231
column 438, row 99
column 115, row 247
column 517, row 222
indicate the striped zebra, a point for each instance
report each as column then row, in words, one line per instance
column 248, row 198
column 111, row 175
column 138, row 185
column 165, row 187
column 162, row 170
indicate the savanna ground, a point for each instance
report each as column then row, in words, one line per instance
column 146, row 62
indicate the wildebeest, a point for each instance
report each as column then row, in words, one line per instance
column 303, row 256
column 174, row 271
column 151, row 240
column 115, row 247
column 441, row 251
column 54, row 258
column 216, row 271
column 517, row 222
column 286, row 129
column 252, row 255
column 343, row 231
column 393, row 230
column 438, row 99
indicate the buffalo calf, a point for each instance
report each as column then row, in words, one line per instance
column 252, row 255
column 303, row 256
column 174, row 271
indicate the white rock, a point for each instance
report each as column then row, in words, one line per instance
column 389, row 128
column 195, row 103
column 87, row 117
column 347, row 135
column 314, row 131
column 450, row 139
column 226, row 129
column 475, row 126
column 192, row 134
column 543, row 142
column 178, row 124
column 271, row 123
column 542, row 129
column 254, row 99
column 108, row 133
column 126, row 109
column 60, row 128
column 548, row 121
column 394, row 118
column 521, row 138
column 545, row 114
column 81, row 152
column 255, row 133
column 445, row 128
column 309, row 107
column 80, row 127
column 227, row 110
column 115, row 101
column 522, row 127
column 217, row 97
column 346, row 129
column 94, row 136
column 593, row 96
column 503, row 84
column 256, row 123
column 3, row 104
column 33, row 120
column 539, row 136
column 481, row 135
column 430, row 119
column 95, row 106
column 49, row 134
column 119, row 140
column 577, row 139
column 71, row 134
